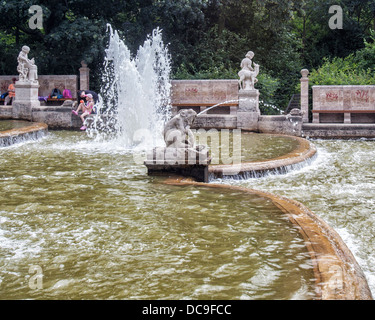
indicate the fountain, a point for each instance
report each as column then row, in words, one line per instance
column 136, row 91
column 114, row 232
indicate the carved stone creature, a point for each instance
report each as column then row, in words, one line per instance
column 296, row 112
column 27, row 69
column 177, row 132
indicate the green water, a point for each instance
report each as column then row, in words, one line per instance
column 339, row 186
column 96, row 226
column 250, row 148
column 256, row 147
column 13, row 124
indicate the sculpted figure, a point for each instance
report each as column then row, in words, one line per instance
column 27, row 69
column 248, row 74
column 177, row 132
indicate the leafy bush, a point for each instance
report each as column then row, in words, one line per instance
column 355, row 69
column 366, row 56
column 268, row 87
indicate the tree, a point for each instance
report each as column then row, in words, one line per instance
column 318, row 41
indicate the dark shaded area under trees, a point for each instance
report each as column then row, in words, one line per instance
column 206, row 38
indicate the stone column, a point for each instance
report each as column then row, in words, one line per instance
column 84, row 77
column 25, row 100
column 305, row 95
column 248, row 110
column 316, row 103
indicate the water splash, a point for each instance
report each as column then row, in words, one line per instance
column 217, row 105
column 237, row 101
column 135, row 93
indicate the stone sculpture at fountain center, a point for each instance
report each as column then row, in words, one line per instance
column 181, row 155
column 177, row 132
column 28, row 71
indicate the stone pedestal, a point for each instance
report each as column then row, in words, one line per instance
column 25, row 100
column 248, row 110
column 179, row 161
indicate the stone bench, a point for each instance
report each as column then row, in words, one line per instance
column 344, row 116
column 343, row 104
column 55, row 101
column 51, row 102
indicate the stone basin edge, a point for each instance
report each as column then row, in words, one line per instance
column 303, row 152
column 12, row 136
column 337, row 273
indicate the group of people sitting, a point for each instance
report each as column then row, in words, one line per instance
column 87, row 100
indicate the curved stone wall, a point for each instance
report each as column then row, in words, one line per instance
column 304, row 152
column 32, row 132
column 338, row 275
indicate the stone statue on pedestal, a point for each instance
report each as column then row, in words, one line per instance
column 27, row 69
column 248, row 107
column 27, row 87
column 181, row 155
column 248, row 73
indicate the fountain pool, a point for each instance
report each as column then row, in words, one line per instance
column 83, row 213
column 339, row 187
column 100, row 228
column 251, row 148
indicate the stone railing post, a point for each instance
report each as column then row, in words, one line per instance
column 305, row 95
column 84, row 77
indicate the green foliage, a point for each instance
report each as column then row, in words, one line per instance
column 310, row 25
column 341, row 71
column 215, row 72
column 206, row 38
column 268, row 88
column 356, row 69
column 366, row 57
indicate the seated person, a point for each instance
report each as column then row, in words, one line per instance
column 83, row 93
column 86, row 109
column 11, row 93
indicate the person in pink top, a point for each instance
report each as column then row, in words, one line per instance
column 85, row 108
